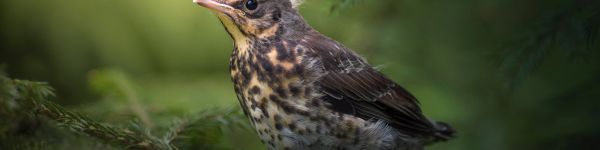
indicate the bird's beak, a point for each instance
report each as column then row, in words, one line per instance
column 216, row 5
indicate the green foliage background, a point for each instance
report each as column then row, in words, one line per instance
column 507, row 74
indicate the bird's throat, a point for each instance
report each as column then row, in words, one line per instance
column 239, row 38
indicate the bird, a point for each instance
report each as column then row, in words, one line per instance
column 303, row 90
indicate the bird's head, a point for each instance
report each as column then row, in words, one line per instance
column 257, row 18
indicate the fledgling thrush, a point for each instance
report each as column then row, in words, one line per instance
column 303, row 90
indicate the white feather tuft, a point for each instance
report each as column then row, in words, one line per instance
column 296, row 3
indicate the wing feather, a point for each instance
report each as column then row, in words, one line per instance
column 347, row 77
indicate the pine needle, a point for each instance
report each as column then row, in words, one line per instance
column 199, row 131
column 37, row 94
column 571, row 29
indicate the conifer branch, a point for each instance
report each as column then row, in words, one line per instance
column 37, row 93
column 198, row 131
column 201, row 130
column 572, row 29
column 118, row 82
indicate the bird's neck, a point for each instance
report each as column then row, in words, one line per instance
column 292, row 29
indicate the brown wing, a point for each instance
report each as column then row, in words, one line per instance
column 352, row 86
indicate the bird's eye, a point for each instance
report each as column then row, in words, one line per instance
column 251, row 4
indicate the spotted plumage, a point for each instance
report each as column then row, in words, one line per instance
column 303, row 90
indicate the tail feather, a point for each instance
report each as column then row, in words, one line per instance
column 444, row 132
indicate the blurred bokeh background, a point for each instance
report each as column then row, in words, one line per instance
column 507, row 74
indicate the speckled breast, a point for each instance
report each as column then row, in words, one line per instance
column 267, row 79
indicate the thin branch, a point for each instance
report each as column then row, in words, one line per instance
column 36, row 93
